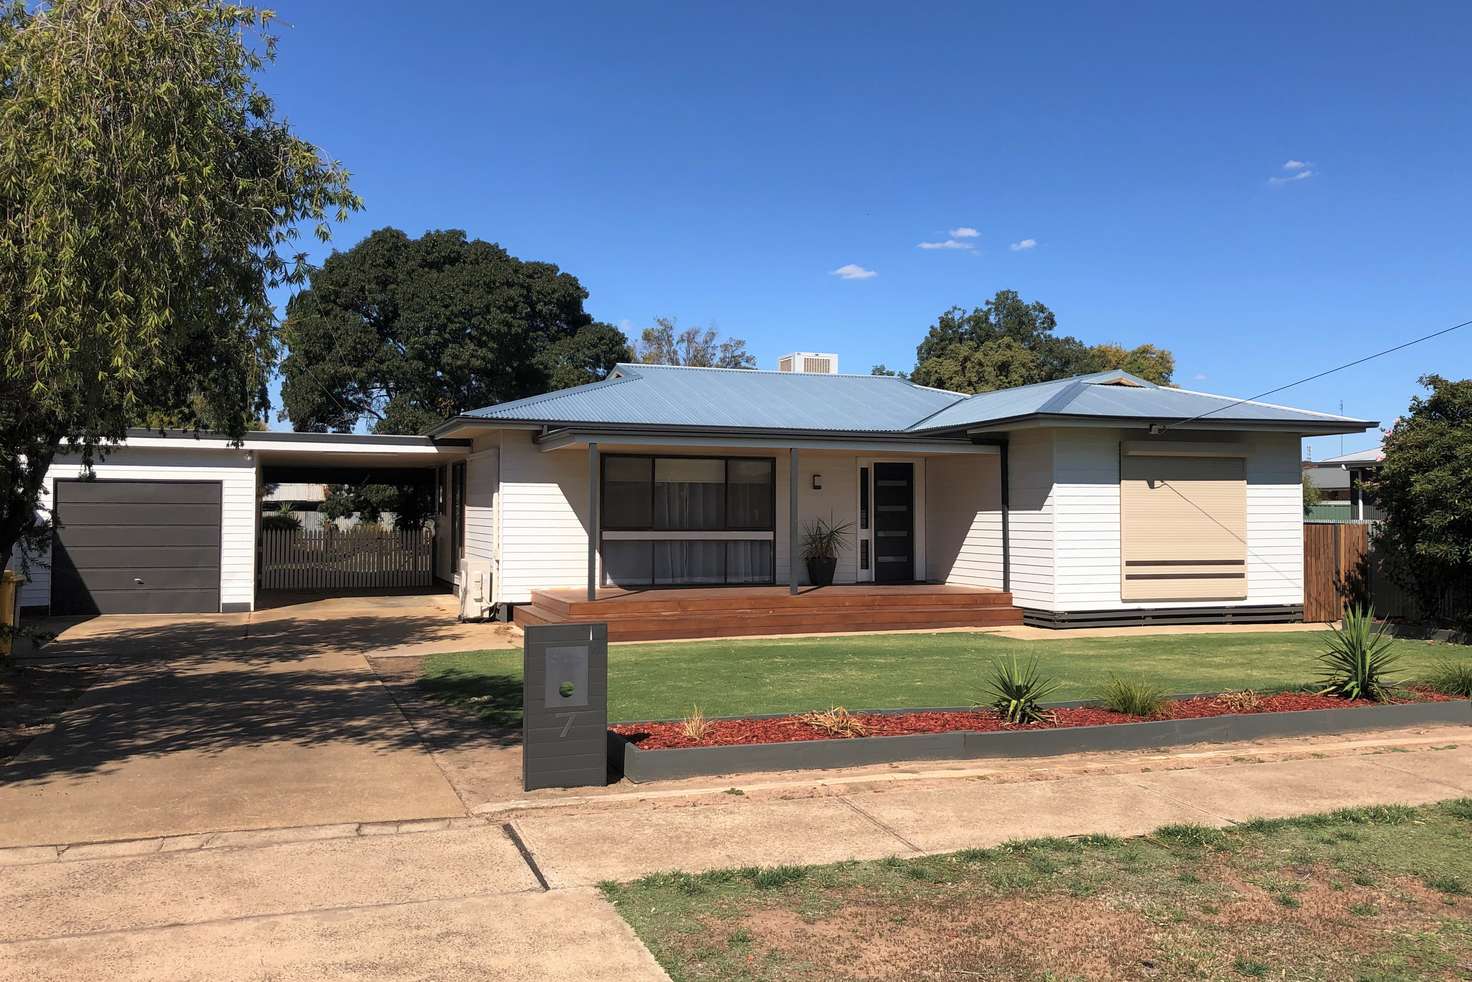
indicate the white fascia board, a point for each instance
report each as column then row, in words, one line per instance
column 295, row 446
column 572, row 440
column 1304, row 427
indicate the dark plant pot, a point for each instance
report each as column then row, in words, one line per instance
column 820, row 571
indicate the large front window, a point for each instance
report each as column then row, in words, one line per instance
column 671, row 521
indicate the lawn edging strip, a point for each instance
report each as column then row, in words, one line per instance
column 642, row 766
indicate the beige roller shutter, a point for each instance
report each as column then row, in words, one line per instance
column 1183, row 528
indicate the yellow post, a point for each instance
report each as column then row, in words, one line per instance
column 10, row 582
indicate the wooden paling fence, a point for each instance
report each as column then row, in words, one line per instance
column 1340, row 566
column 358, row 558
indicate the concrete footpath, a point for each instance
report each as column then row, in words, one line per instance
column 508, row 893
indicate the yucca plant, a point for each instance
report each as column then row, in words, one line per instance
column 1453, row 678
column 1016, row 692
column 1133, row 697
column 1359, row 658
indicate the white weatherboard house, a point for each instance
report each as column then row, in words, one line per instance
column 1097, row 499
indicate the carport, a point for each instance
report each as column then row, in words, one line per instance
column 171, row 522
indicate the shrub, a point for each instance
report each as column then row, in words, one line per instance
column 1244, row 701
column 1016, row 692
column 1359, row 659
column 1133, row 697
column 695, row 726
column 1452, row 677
column 837, row 721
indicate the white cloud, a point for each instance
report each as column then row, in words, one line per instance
column 1302, row 175
column 1199, row 377
column 1298, row 170
column 1024, row 245
column 853, row 271
column 947, row 244
column 964, row 232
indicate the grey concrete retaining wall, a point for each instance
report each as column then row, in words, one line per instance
column 641, row 766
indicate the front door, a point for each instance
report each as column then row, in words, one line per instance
column 894, row 522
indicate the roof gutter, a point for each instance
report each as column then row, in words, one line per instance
column 1326, row 428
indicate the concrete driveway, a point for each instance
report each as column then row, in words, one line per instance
column 207, row 724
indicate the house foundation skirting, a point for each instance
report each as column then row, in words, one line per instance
column 1126, row 617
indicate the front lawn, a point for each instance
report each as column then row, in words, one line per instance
column 736, row 677
column 1365, row 893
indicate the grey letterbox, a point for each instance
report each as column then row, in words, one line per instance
column 564, row 700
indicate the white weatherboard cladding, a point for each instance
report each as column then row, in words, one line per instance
column 542, row 502
column 543, row 519
column 963, row 508
column 482, row 475
column 1030, row 517
column 1086, row 524
column 232, row 468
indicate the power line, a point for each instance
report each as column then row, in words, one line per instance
column 1357, row 361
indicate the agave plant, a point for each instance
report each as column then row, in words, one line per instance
column 1016, row 692
column 1359, row 659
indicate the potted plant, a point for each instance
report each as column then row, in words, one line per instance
column 821, row 543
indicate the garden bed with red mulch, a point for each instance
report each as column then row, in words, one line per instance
column 788, row 729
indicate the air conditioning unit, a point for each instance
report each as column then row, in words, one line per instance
column 477, row 581
column 809, row 362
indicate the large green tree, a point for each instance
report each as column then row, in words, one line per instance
column 405, row 332
column 666, row 344
column 1008, row 341
column 149, row 196
column 1424, row 485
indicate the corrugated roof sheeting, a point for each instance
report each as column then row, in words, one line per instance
column 660, row 395
column 663, row 395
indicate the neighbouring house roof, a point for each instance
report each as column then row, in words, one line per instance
column 1372, row 456
column 717, row 398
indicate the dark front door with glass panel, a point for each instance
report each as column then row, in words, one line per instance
column 687, row 521
column 894, row 522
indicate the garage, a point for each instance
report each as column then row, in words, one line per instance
column 136, row 547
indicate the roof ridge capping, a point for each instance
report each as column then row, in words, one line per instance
column 774, row 371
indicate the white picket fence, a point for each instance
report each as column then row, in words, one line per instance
column 358, row 558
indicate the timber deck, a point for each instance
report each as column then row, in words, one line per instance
column 742, row 611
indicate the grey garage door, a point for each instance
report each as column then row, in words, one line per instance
column 136, row 547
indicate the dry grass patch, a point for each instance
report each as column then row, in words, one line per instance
column 1375, row 893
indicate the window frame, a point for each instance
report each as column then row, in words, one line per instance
column 727, row 533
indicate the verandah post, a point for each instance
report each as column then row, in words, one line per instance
column 592, row 521
column 792, row 544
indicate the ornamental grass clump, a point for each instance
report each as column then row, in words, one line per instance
column 1452, row 678
column 837, row 721
column 1132, row 697
column 695, row 726
column 1016, row 693
column 1359, row 659
column 1242, row 701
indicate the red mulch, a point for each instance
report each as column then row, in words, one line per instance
column 786, row 729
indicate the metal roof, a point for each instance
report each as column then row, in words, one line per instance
column 720, row 398
column 1119, row 395
column 1374, row 455
column 665, row 395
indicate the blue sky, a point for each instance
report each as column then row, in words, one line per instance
column 1266, row 189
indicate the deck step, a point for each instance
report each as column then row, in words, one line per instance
column 742, row 601
column 757, row 620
